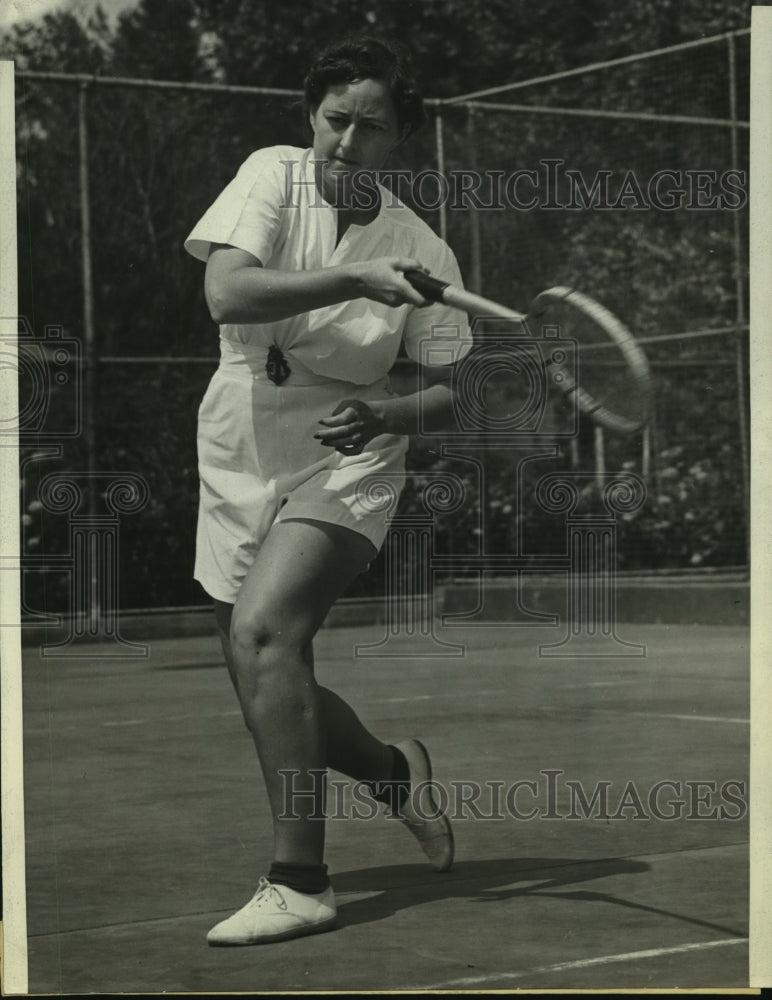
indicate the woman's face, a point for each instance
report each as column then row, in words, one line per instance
column 355, row 128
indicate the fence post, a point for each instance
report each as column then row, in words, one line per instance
column 742, row 401
column 439, row 140
column 89, row 357
column 475, row 270
column 600, row 455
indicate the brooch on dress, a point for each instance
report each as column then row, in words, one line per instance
column 276, row 367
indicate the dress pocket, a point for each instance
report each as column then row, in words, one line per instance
column 216, row 405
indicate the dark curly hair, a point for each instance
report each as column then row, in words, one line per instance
column 362, row 57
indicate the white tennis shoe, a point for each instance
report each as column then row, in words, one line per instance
column 421, row 813
column 276, row 913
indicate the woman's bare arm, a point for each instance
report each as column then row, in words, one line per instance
column 354, row 422
column 239, row 289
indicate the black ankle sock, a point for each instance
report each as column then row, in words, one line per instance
column 301, row 878
column 394, row 792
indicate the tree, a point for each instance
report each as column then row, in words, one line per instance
column 157, row 158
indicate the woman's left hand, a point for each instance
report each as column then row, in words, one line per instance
column 352, row 424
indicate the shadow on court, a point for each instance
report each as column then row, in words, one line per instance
column 489, row 882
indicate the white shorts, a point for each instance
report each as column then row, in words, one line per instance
column 259, row 463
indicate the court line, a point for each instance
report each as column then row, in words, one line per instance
column 426, row 697
column 642, row 715
column 416, row 697
column 586, row 963
column 173, row 718
column 606, row 684
column 692, row 718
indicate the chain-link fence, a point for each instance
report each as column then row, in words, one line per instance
column 626, row 180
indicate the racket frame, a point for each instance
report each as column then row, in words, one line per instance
column 618, row 334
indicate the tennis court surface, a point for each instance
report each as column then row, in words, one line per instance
column 147, row 823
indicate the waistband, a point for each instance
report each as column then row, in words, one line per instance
column 249, row 361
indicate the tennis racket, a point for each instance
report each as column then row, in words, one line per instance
column 610, row 379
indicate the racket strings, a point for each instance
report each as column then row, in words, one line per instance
column 605, row 373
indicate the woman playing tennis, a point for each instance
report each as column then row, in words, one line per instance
column 305, row 255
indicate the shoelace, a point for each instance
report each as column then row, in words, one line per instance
column 268, row 891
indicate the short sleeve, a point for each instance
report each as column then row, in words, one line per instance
column 438, row 334
column 247, row 214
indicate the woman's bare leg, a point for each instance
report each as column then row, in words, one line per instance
column 300, row 570
column 351, row 747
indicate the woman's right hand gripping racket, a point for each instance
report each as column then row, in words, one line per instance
column 610, row 379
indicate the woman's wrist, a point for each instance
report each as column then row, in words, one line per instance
column 391, row 415
column 430, row 409
column 380, row 411
column 353, row 284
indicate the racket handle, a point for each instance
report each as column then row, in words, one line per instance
column 431, row 288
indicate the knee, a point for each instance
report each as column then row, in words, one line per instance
column 249, row 631
column 260, row 647
column 272, row 671
column 251, row 634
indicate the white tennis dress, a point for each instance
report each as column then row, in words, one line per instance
column 258, row 459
